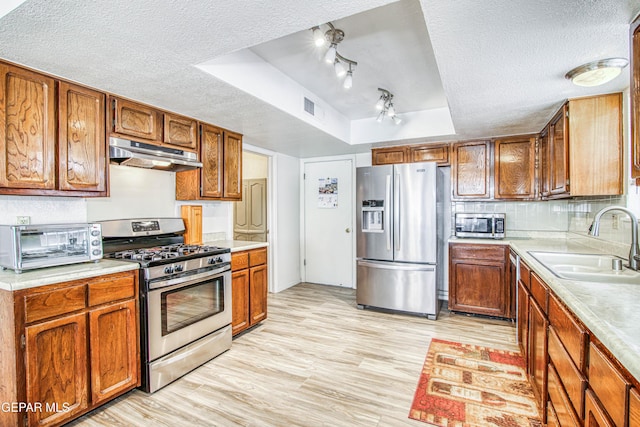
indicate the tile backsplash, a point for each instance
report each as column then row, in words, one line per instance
column 523, row 216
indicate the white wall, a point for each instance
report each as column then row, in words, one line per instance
column 285, row 233
column 42, row 210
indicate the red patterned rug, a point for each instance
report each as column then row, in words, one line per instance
column 464, row 385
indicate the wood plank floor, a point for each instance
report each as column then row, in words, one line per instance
column 316, row 361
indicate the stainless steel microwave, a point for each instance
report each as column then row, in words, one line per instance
column 25, row 247
column 480, row 225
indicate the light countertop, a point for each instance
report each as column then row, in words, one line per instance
column 12, row 281
column 610, row 311
column 237, row 245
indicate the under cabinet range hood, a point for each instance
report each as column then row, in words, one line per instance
column 148, row 156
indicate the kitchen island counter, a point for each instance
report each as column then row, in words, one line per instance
column 12, row 281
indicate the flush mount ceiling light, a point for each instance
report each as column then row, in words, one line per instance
column 597, row 72
column 342, row 66
column 385, row 105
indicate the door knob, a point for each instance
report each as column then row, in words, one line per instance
column 347, row 230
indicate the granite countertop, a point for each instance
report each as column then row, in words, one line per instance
column 608, row 310
column 237, row 245
column 12, row 281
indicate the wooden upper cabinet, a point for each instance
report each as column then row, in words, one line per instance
column 389, row 155
column 212, row 157
column 596, row 150
column 27, row 129
column 558, row 152
column 514, row 170
column 131, row 119
column 180, row 131
column 471, row 170
column 438, row 153
column 232, row 166
column 634, row 44
column 81, row 139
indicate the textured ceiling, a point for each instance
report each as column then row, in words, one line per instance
column 501, row 62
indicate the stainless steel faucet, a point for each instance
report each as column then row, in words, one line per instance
column 594, row 230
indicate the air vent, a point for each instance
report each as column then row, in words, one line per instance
column 309, row 106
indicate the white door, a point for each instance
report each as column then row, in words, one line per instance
column 328, row 222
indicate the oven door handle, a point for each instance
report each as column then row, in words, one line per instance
column 187, row 280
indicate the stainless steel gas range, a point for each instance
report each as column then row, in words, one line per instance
column 185, row 295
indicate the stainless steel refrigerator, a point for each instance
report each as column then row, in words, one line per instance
column 397, row 244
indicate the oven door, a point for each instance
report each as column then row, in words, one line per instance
column 181, row 313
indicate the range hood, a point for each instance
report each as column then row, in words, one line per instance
column 148, row 156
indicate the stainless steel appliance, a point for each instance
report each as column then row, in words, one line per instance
column 480, row 225
column 149, row 156
column 185, row 296
column 25, row 247
column 397, row 224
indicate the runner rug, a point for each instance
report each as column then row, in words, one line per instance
column 464, row 385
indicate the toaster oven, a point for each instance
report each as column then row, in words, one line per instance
column 480, row 225
column 25, row 247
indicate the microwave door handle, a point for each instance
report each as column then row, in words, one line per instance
column 386, row 211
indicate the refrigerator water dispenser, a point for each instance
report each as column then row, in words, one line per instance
column 373, row 216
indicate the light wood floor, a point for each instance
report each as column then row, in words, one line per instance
column 316, row 361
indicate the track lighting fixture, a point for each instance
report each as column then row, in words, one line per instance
column 333, row 36
column 385, row 105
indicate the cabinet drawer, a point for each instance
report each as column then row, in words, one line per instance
column 560, row 400
column 573, row 381
column 239, row 261
column 594, row 414
column 43, row 305
column 569, row 331
column 480, row 251
column 257, row 257
column 112, row 288
column 608, row 384
column 634, row 408
column 539, row 292
column 525, row 274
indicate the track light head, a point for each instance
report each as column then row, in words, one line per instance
column 385, row 105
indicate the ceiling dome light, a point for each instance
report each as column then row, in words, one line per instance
column 348, row 81
column 597, row 72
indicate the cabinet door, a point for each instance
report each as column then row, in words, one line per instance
column 232, row 166
column 559, row 154
column 478, row 286
column 56, row 369
column 27, row 129
column 594, row 415
column 240, row 300
column 634, row 43
column 634, row 408
column 180, row 131
column 538, row 324
column 595, row 135
column 114, row 350
column 258, row 293
column 438, row 153
column 136, row 120
column 471, row 170
column 81, row 139
column 211, row 149
column 515, row 168
column 389, row 155
column 544, row 167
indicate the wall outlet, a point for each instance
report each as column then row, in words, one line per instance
column 615, row 221
column 23, row 220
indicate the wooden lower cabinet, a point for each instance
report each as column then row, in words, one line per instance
column 594, row 414
column 634, row 408
column 478, row 279
column 523, row 317
column 609, row 385
column 79, row 343
column 537, row 360
column 249, row 281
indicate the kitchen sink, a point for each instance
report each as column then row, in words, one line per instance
column 586, row 267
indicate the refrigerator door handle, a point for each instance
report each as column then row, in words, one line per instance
column 396, row 211
column 386, row 211
column 397, row 266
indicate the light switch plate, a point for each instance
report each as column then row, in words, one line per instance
column 23, row 220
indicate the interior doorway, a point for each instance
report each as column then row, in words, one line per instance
column 250, row 214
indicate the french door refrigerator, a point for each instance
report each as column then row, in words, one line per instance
column 397, row 225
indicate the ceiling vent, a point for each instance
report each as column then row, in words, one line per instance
column 309, row 106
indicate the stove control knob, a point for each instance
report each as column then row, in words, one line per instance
column 211, row 261
column 179, row 268
column 219, row 259
column 168, row 270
